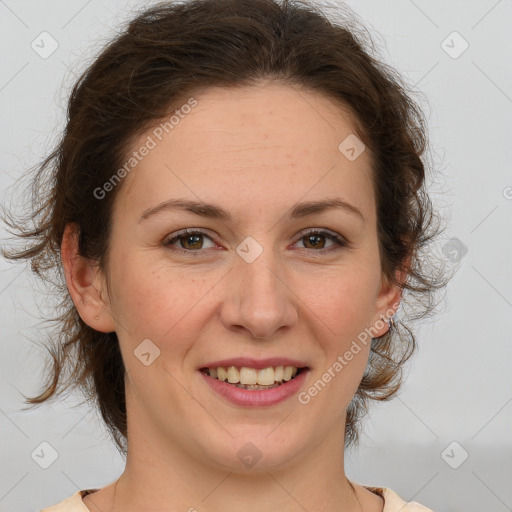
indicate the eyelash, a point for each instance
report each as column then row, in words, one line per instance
column 337, row 239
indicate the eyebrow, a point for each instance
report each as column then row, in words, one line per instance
column 300, row 210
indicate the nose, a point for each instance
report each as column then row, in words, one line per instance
column 258, row 299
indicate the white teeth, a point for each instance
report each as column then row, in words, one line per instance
column 253, row 376
column 233, row 375
column 288, row 372
column 248, row 375
column 222, row 374
column 266, row 376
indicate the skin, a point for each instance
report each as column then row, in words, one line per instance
column 255, row 151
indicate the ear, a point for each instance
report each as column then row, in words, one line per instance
column 85, row 283
column 388, row 300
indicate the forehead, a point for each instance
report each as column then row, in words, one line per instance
column 270, row 144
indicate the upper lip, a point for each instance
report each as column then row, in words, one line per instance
column 249, row 362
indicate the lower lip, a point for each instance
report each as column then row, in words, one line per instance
column 240, row 396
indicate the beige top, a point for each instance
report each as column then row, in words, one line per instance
column 392, row 502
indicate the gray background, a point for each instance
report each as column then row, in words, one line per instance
column 459, row 387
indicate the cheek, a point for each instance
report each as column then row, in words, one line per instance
column 342, row 310
column 343, row 300
column 164, row 308
column 159, row 303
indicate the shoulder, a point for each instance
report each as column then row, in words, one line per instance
column 394, row 503
column 72, row 504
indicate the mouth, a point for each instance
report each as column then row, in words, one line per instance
column 254, row 379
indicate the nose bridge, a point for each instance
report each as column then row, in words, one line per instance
column 260, row 302
column 260, row 282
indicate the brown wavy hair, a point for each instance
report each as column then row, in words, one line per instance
column 168, row 52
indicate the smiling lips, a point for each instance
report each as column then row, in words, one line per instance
column 250, row 382
column 252, row 376
column 251, row 372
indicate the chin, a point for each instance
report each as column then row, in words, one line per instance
column 252, row 452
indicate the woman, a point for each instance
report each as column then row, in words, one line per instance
column 238, row 208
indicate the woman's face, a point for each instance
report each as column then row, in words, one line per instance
column 252, row 283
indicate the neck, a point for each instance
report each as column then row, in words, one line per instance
column 160, row 476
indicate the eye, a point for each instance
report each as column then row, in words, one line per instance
column 190, row 240
column 313, row 239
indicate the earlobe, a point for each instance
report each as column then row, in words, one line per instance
column 388, row 304
column 85, row 283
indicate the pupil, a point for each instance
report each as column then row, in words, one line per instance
column 313, row 237
column 190, row 237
